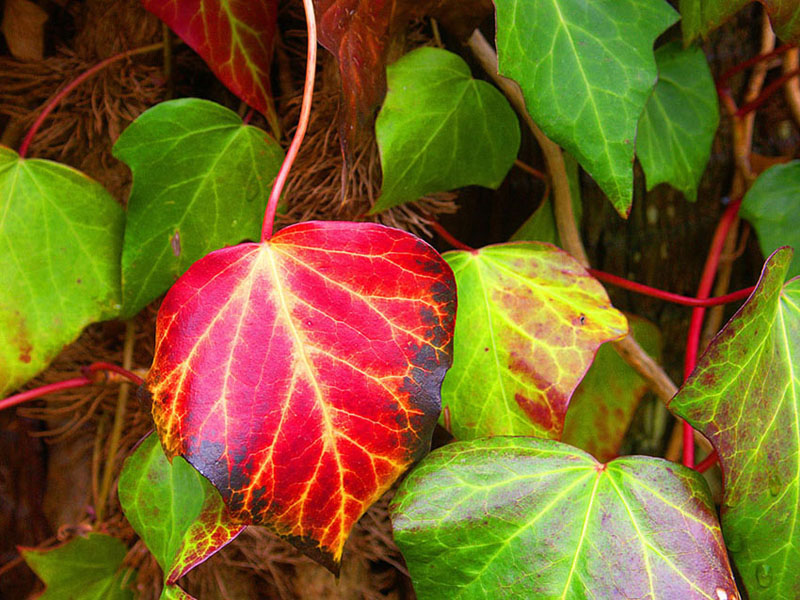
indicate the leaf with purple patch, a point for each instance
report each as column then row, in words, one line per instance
column 602, row 407
column 178, row 514
column 530, row 322
column 302, row 374
column 744, row 396
column 529, row 518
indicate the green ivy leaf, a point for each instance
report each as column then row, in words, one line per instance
column 530, row 320
column 87, row 568
column 602, row 407
column 586, row 70
column 60, row 243
column 744, row 396
column 700, row 17
column 440, row 129
column 201, row 181
column 174, row 592
column 176, row 511
column 772, row 206
column 679, row 121
column 529, row 518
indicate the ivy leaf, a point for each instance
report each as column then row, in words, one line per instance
column 178, row 514
column 301, row 375
column 528, row 518
column 586, row 70
column 60, row 242
column 201, row 182
column 360, row 34
column 772, row 205
column 744, row 396
column 602, row 407
column 174, row 592
column 530, row 321
column 88, row 568
column 679, row 121
column 236, row 39
column 440, row 129
column 701, row 17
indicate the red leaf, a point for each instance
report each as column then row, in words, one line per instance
column 302, row 375
column 235, row 37
column 360, row 33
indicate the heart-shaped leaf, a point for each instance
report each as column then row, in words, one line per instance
column 440, row 129
column 88, row 568
column 700, row 17
column 178, row 514
column 586, row 70
column 302, row 375
column 529, row 518
column 602, row 407
column 236, row 39
column 744, row 396
column 201, row 180
column 530, row 321
column 360, row 34
column 772, row 206
column 679, row 121
column 60, row 243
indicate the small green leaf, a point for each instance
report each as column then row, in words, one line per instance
column 176, row 511
column 602, row 407
column 701, row 17
column 744, row 396
column 530, row 320
column 60, row 244
column 201, row 179
column 679, row 121
column 527, row 518
column 772, row 205
column 440, row 129
column 87, row 568
column 541, row 225
column 586, row 70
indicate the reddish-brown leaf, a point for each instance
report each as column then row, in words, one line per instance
column 302, row 375
column 235, row 37
column 360, row 34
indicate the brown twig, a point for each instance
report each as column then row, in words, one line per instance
column 628, row 348
column 791, row 62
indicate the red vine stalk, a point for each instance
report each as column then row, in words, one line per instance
column 44, row 390
column 768, row 91
column 26, row 142
column 449, row 237
column 305, row 110
column 696, row 323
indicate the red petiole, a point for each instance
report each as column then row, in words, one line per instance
column 88, row 378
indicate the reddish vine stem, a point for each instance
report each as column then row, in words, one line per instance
column 696, row 323
column 56, row 100
column 670, row 296
column 708, row 462
column 768, row 91
column 722, row 82
column 44, row 390
column 87, row 378
column 305, row 111
column 449, row 237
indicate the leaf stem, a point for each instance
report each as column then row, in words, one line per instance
column 449, row 237
column 104, row 366
column 44, row 390
column 696, row 322
column 768, row 91
column 670, row 296
column 119, row 419
column 708, row 462
column 54, row 102
column 302, row 124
